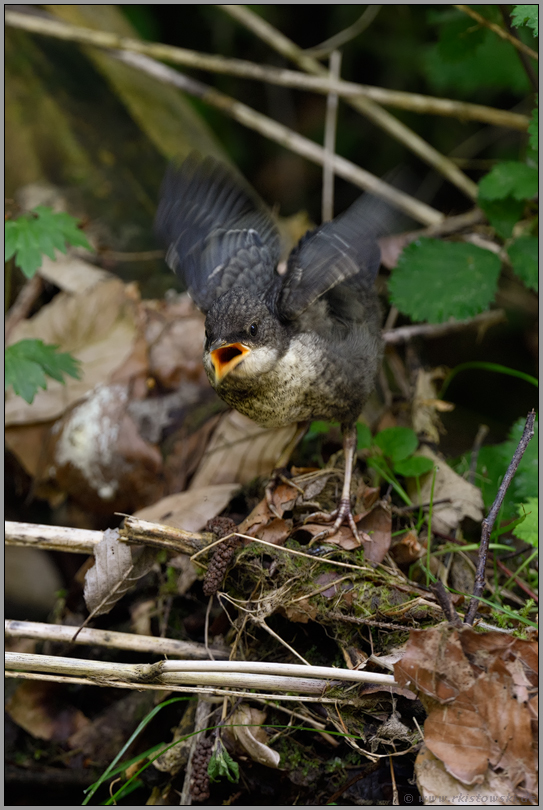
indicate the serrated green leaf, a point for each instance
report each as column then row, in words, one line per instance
column 533, row 130
column 435, row 281
column 41, row 232
column 221, row 764
column 29, row 361
column 524, row 254
column 528, row 530
column 397, row 443
column 363, row 436
column 503, row 215
column 414, row 466
column 526, row 15
column 10, row 240
column 509, row 179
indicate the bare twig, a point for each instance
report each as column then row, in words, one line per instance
column 341, row 38
column 330, row 128
column 366, row 106
column 51, row 538
column 488, row 522
column 444, row 598
column 435, row 330
column 110, row 638
column 521, row 584
column 284, row 136
column 22, row 305
column 279, row 76
column 516, row 43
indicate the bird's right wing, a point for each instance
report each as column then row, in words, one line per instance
column 217, row 235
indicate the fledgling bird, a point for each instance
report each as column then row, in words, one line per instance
column 279, row 348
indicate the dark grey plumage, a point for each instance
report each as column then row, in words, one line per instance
column 279, row 348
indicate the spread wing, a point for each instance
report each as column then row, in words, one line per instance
column 332, row 254
column 217, row 235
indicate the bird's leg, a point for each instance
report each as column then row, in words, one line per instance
column 343, row 513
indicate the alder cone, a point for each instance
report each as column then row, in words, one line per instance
column 221, row 526
column 199, row 784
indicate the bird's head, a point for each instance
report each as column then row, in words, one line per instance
column 243, row 338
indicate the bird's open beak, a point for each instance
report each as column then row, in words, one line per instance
column 225, row 358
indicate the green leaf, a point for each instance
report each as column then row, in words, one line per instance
column 525, row 483
column 509, row 179
column 526, row 15
column 524, row 253
column 503, row 214
column 363, row 434
column 528, row 530
column 435, row 281
column 533, row 129
column 469, row 57
column 414, row 467
column 40, row 232
column 221, row 764
column 29, row 361
column 397, row 443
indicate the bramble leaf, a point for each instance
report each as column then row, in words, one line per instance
column 509, row 179
column 435, row 281
column 524, row 253
column 503, row 215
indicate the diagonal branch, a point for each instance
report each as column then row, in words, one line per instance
column 516, row 43
column 373, row 111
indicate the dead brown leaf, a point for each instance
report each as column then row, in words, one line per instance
column 189, row 510
column 41, row 709
column 475, row 688
column 406, row 549
column 378, row 525
column 465, row 498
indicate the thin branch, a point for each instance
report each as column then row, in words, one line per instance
column 366, row 106
column 348, row 34
column 330, row 128
column 516, row 43
column 110, row 638
column 488, row 522
column 436, row 330
column 444, row 598
column 51, row 538
column 284, row 136
column 266, row 73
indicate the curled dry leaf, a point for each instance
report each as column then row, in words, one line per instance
column 246, row 728
column 406, row 549
column 475, row 688
column 240, row 451
column 465, row 498
column 189, row 510
column 114, row 572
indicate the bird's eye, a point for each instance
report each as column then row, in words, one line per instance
column 253, row 329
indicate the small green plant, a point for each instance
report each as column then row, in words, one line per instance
column 221, row 764
column 27, row 239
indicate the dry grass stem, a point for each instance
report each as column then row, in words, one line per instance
column 278, row 76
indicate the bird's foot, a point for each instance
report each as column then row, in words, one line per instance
column 343, row 514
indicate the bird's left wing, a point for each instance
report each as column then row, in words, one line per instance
column 217, row 235
column 331, row 254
